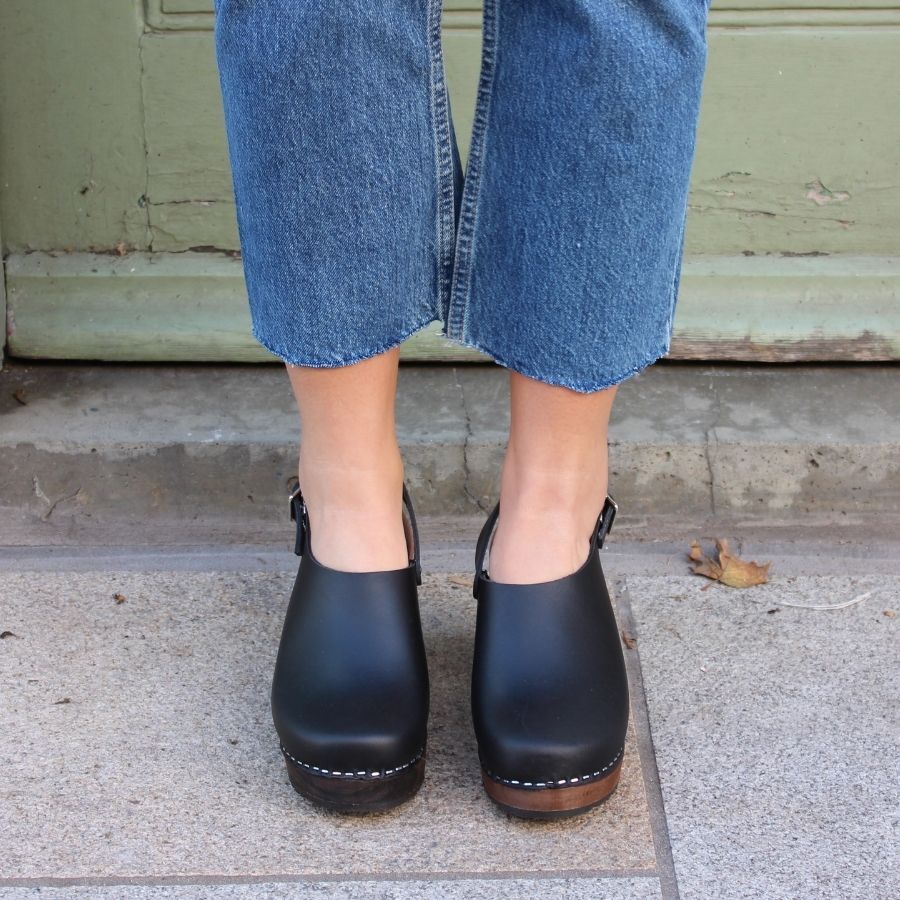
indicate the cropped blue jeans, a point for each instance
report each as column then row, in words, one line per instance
column 557, row 252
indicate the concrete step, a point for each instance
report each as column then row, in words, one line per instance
column 206, row 452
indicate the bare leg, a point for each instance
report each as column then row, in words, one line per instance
column 553, row 482
column 350, row 468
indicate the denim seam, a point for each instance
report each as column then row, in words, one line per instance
column 438, row 103
column 676, row 279
column 367, row 353
column 461, row 286
column 584, row 387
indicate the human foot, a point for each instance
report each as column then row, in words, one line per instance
column 355, row 512
column 544, row 527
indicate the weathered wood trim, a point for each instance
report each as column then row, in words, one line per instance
column 197, row 15
column 192, row 307
column 789, row 308
column 814, row 18
column 193, row 15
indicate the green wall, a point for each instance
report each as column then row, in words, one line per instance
column 117, row 215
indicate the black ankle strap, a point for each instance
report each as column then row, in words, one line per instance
column 601, row 530
column 481, row 547
column 604, row 522
column 300, row 515
column 407, row 499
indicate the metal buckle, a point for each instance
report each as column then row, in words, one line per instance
column 300, row 539
column 607, row 517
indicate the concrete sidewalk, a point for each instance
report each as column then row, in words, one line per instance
column 145, row 567
column 138, row 758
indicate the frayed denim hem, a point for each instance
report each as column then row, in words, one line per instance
column 582, row 387
column 292, row 359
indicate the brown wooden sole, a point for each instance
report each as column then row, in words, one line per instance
column 358, row 795
column 551, row 802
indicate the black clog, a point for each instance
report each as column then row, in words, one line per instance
column 549, row 688
column 350, row 689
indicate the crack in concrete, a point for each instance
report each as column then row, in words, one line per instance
column 711, row 446
column 467, row 490
column 51, row 504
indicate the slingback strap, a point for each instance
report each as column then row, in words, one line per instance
column 407, row 499
column 484, row 538
column 601, row 530
column 604, row 522
column 300, row 515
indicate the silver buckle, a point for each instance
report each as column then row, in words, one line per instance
column 614, row 508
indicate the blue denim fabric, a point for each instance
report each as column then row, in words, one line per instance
column 558, row 253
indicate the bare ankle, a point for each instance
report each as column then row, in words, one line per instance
column 355, row 510
column 546, row 519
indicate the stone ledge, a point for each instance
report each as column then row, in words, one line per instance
column 216, row 445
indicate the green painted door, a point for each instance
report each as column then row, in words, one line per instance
column 118, row 223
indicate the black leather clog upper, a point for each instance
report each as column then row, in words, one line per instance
column 350, row 687
column 549, row 688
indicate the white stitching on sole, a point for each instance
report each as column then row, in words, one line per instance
column 381, row 773
column 545, row 784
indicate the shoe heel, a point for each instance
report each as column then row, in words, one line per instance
column 551, row 802
column 376, row 793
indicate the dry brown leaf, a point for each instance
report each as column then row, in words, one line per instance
column 730, row 569
column 739, row 572
column 888, row 612
column 629, row 641
column 119, row 598
column 702, row 564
